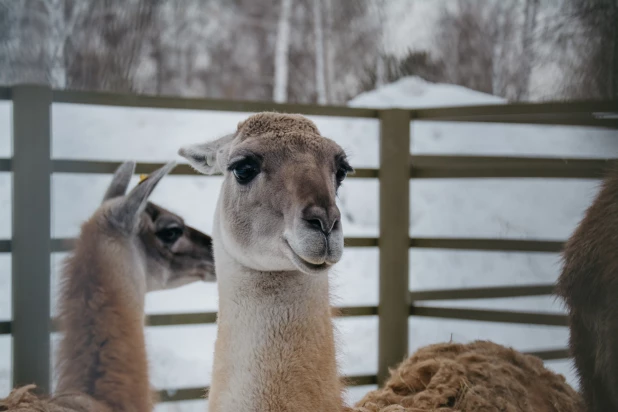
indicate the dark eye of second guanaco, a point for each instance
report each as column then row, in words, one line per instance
column 170, row 234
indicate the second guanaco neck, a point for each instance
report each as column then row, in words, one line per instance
column 102, row 352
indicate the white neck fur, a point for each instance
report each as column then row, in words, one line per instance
column 275, row 348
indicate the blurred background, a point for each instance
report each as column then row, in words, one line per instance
column 325, row 51
column 361, row 53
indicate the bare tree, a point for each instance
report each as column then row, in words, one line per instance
column 63, row 17
column 301, row 50
column 320, row 82
column 477, row 41
column 282, row 53
column 353, row 39
column 107, row 47
column 529, row 29
column 10, row 15
column 35, row 38
column 581, row 36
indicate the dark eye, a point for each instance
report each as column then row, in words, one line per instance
column 341, row 174
column 245, row 171
column 170, row 234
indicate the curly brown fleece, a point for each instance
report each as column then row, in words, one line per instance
column 22, row 399
column 477, row 377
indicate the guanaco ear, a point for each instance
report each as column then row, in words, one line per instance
column 120, row 181
column 127, row 213
column 209, row 158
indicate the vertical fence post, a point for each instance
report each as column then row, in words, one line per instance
column 31, row 235
column 394, row 241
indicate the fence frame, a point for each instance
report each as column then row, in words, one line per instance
column 32, row 167
column 31, row 235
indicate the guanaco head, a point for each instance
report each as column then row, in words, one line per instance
column 277, row 208
column 172, row 253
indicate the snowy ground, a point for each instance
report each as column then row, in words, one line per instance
column 507, row 208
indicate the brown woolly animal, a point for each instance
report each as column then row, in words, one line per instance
column 127, row 248
column 589, row 286
column 474, row 377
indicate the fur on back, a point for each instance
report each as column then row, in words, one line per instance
column 479, row 376
column 589, row 286
column 102, row 352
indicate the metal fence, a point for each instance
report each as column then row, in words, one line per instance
column 31, row 242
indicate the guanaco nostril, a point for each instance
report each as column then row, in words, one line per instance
column 334, row 226
column 322, row 219
column 316, row 224
column 324, row 227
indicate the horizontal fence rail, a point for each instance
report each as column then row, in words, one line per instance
column 205, row 318
column 395, row 135
column 583, row 113
column 477, row 244
column 597, row 114
column 6, row 165
column 466, row 167
column 162, row 102
column 483, row 315
column 187, row 394
column 496, row 292
column 498, row 245
column 102, row 167
column 421, row 167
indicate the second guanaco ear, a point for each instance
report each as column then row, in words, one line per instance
column 127, row 212
column 210, row 157
column 120, row 181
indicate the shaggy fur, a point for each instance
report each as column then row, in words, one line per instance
column 477, row 377
column 589, row 286
column 102, row 313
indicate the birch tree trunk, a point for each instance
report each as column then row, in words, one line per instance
column 282, row 47
column 320, row 82
column 329, row 53
column 530, row 12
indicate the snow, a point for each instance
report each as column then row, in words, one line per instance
column 414, row 92
column 508, row 208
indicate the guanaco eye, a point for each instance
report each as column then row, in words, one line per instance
column 170, row 234
column 245, row 170
column 342, row 171
column 341, row 174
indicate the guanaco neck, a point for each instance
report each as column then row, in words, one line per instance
column 102, row 352
column 275, row 349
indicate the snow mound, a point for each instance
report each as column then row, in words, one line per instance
column 416, row 92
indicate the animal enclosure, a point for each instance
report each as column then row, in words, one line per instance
column 31, row 243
